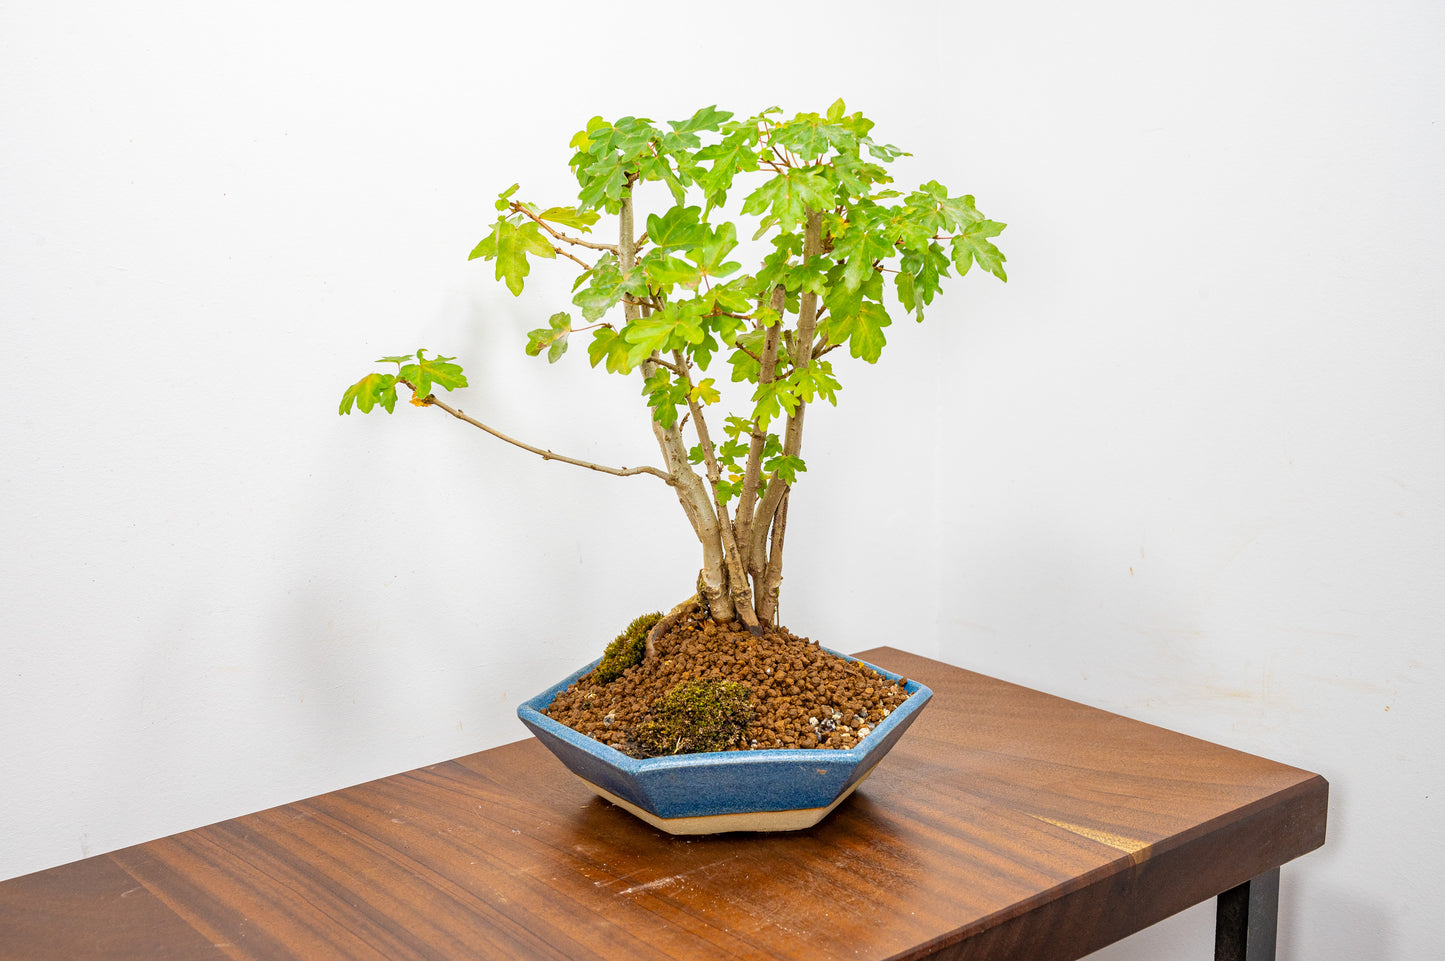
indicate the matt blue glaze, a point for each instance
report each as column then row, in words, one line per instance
column 724, row 782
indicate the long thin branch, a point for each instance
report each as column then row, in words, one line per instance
column 565, row 238
column 651, row 303
column 754, row 356
column 801, row 351
column 432, row 401
column 767, row 368
column 576, row 260
column 772, row 579
column 675, row 368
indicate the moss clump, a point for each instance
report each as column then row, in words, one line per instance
column 696, row 716
column 627, row 649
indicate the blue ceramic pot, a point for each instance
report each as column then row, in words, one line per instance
column 761, row 790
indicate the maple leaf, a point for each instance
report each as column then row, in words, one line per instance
column 428, row 371
column 509, row 244
column 861, row 327
column 371, row 390
column 570, row 217
column 552, row 338
column 789, row 196
column 973, row 246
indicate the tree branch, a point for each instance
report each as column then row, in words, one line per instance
column 579, row 262
column 801, row 354
column 767, row 371
column 574, row 241
column 432, row 401
column 651, row 303
column 675, row 368
column 772, row 580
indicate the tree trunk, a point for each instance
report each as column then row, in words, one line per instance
column 765, row 552
column 738, row 590
column 692, row 493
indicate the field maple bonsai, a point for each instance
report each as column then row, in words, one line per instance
column 841, row 253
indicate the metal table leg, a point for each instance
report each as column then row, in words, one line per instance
column 1248, row 919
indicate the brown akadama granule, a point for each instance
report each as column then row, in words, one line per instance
column 801, row 695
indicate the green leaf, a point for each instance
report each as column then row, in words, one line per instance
column 861, row 328
column 582, row 139
column 788, row 197
column 919, row 276
column 745, row 364
column 704, row 392
column 907, row 295
column 664, row 395
column 732, row 451
column 787, row 467
column 606, row 285
column 736, row 153
column 857, row 176
column 426, row 372
column 607, row 345
column 552, row 338
column 728, row 491
column 735, row 426
column 595, row 302
column 708, row 118
column 811, row 275
column 672, row 328
column 859, row 245
column 772, row 399
column 810, row 136
column 845, row 301
column 701, row 352
column 603, row 184
column 509, row 244
column 503, row 203
column 733, row 296
column 659, row 167
column 973, row 246
column 570, row 217
column 677, row 229
column 959, row 212
column 371, row 390
column 709, row 252
column 814, row 380
column 665, row 273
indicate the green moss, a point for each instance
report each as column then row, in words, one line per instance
column 696, row 716
column 627, row 649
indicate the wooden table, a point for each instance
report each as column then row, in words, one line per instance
column 1006, row 824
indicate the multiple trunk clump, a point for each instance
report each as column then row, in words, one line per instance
column 741, row 691
column 843, row 253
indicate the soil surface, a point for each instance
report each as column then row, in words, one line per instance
column 801, row 695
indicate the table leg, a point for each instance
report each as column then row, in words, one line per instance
column 1247, row 920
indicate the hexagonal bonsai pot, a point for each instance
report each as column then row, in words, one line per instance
column 780, row 789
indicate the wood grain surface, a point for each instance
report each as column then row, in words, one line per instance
column 1006, row 824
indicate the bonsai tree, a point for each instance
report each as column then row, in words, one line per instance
column 842, row 253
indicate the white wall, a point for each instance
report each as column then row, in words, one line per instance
column 1195, row 464
column 1187, row 465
